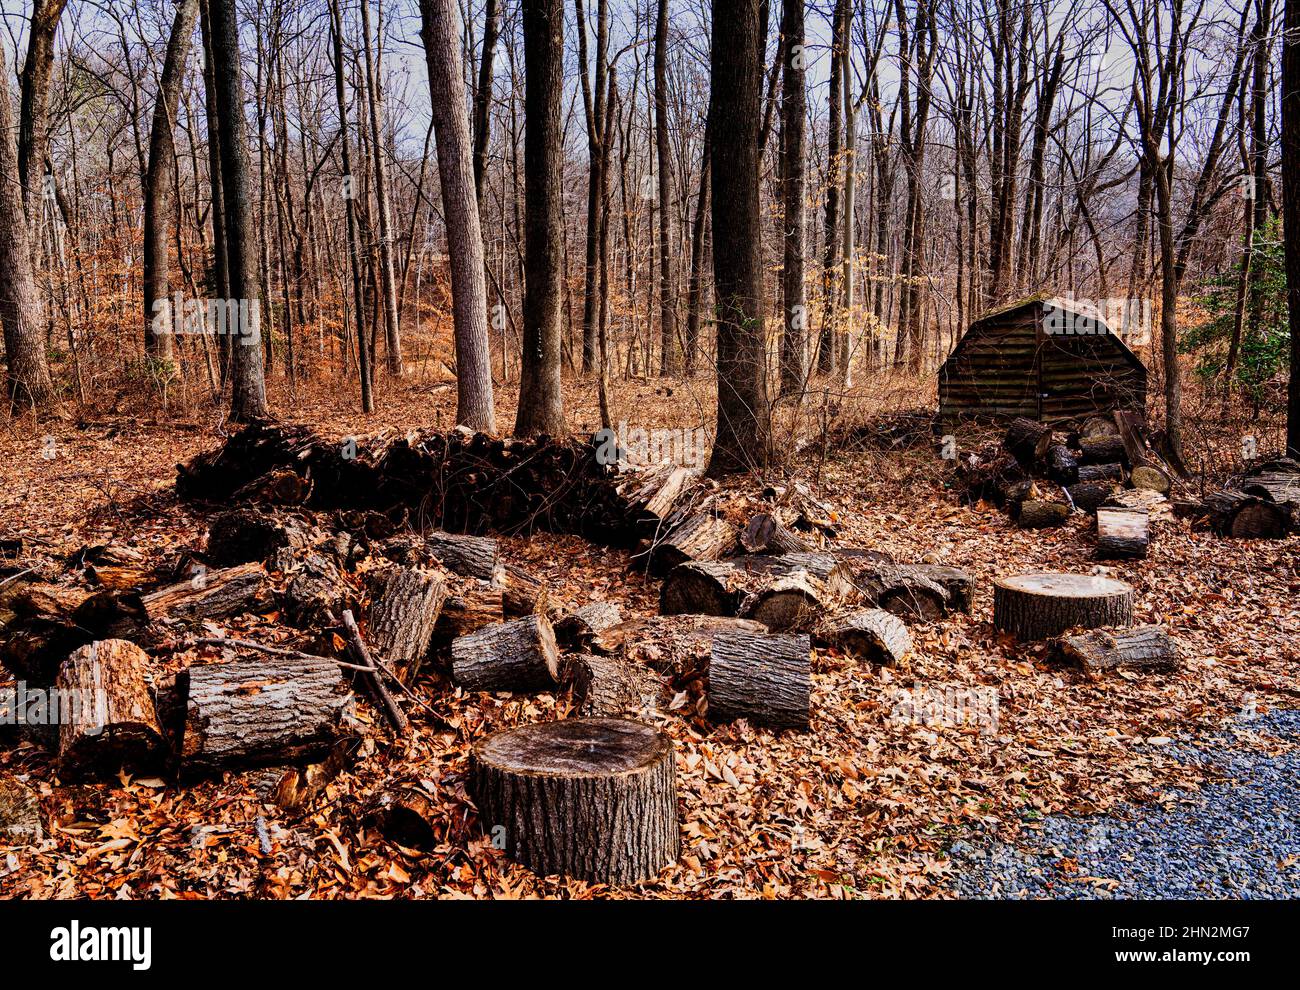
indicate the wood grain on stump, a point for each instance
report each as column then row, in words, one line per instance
column 765, row 679
column 594, row 799
column 1044, row 604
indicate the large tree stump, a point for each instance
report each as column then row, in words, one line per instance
column 765, row 679
column 1040, row 514
column 407, row 603
column 765, row 534
column 873, row 635
column 702, row 536
column 1122, row 534
column 1103, row 649
column 1044, row 604
column 719, row 587
column 577, row 629
column 107, row 720
column 607, row 686
column 520, row 655
column 594, row 799
column 211, row 595
column 265, row 711
column 1027, row 441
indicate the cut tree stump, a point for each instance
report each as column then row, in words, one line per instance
column 1039, row 514
column 1088, row 495
column 107, row 719
column 1061, row 465
column 765, row 534
column 264, row 711
column 1044, row 604
column 1122, row 534
column 1150, row 478
column 873, row 635
column 403, row 614
column 577, row 629
column 701, row 537
column 211, row 595
column 1027, row 441
column 520, row 655
column 719, row 587
column 1102, row 450
column 765, row 679
column 1103, row 649
column 594, row 799
column 607, row 686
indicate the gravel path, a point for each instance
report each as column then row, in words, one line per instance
column 1237, row 837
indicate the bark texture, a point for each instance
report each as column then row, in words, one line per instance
column 873, row 635
column 1104, row 649
column 765, row 679
column 1045, row 604
column 520, row 655
column 110, row 723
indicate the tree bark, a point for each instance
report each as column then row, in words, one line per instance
column 520, row 655
column 670, row 348
column 1291, row 206
column 1042, row 605
column 765, row 679
column 110, row 724
column 34, row 105
column 794, row 337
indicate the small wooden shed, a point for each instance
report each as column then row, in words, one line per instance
column 1042, row 358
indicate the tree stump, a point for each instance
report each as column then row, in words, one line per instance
column 765, row 534
column 107, row 721
column 261, row 712
column 1044, row 604
column 765, row 679
column 702, row 536
column 873, row 635
column 606, row 686
column 1039, row 514
column 577, row 629
column 594, row 799
column 403, row 614
column 1103, row 649
column 1122, row 534
column 520, row 655
column 1027, row 441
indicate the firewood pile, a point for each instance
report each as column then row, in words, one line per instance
column 1262, row 502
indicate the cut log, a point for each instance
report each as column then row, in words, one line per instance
column 577, row 629
column 913, row 591
column 1150, row 478
column 1027, row 441
column 469, row 556
column 403, row 614
column 468, row 609
column 794, row 603
column 873, row 635
column 606, row 686
column 316, row 592
column 269, row 710
column 244, row 535
column 1039, row 514
column 1089, row 473
column 1122, row 534
column 670, row 644
column 1099, row 426
column 1044, row 604
column 719, row 587
column 521, row 593
column 107, row 721
column 765, row 534
column 520, row 655
column 1276, row 480
column 1247, row 517
column 1061, row 465
column 1088, row 495
column 409, row 816
column 999, row 479
column 701, row 537
column 211, row 595
column 594, row 799
column 652, row 495
column 1102, row 450
column 1103, row 649
column 20, row 813
column 765, row 679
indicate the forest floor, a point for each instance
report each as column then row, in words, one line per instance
column 866, row 804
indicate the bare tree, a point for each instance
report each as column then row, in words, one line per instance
column 794, row 109
column 34, row 108
column 670, row 349
column 1291, row 205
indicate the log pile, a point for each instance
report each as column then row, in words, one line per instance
column 1262, row 503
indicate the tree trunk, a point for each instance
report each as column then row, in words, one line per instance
column 34, row 106
column 441, row 34
column 110, row 724
column 1042, row 605
column 1291, row 208
column 794, row 339
column 670, row 348
column 827, row 352
column 741, row 439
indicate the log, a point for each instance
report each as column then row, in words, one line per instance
column 872, row 635
column 1147, row 647
column 404, row 611
column 295, row 788
column 1044, row 604
column 410, row 816
column 469, row 556
column 279, row 486
column 1088, row 495
column 1247, row 517
column 765, row 534
column 1027, row 441
column 1062, row 467
column 107, row 721
column 913, row 591
column 794, row 603
column 20, row 813
column 719, row 587
column 1040, row 514
column 1276, row 480
column 371, row 677
column 211, row 595
column 577, row 629
column 1089, row 473
column 594, row 799
column 1098, row 426
column 765, row 679
column 606, row 686
column 1102, row 450
column 268, row 710
column 521, row 593
column 244, row 535
column 316, row 592
column 1150, row 478
column 652, row 495
column 1122, row 534
column 520, row 655
column 700, row 537
column 468, row 609
column 669, row 644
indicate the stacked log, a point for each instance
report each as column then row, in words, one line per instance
column 721, row 587
column 1028, row 441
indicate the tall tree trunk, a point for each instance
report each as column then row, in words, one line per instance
column 158, row 185
column 848, row 232
column 34, row 105
column 695, row 291
column 483, row 96
column 827, row 352
column 442, row 48
column 794, row 341
column 736, row 76
column 670, row 348
column 1291, row 206
column 541, row 407
column 248, row 386
column 598, row 154
column 29, row 382
column 220, row 282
